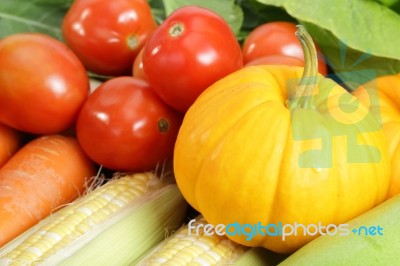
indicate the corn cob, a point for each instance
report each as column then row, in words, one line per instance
column 104, row 227
column 183, row 248
column 190, row 248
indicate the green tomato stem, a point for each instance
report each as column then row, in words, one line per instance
column 304, row 92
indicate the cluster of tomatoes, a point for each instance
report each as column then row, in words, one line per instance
column 130, row 122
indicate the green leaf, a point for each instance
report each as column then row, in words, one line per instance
column 356, row 36
column 363, row 25
column 17, row 16
column 396, row 7
column 387, row 2
column 256, row 14
column 232, row 13
column 157, row 9
column 59, row 3
column 351, row 67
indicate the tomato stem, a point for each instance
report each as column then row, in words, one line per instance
column 176, row 30
column 163, row 125
column 132, row 42
column 303, row 95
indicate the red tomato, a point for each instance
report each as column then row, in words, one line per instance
column 190, row 50
column 276, row 38
column 107, row 35
column 276, row 60
column 125, row 126
column 137, row 69
column 42, row 84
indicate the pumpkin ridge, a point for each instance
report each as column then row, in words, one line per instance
column 219, row 142
column 217, row 93
column 394, row 82
column 228, row 86
column 278, row 183
column 246, row 86
column 363, row 138
column 391, row 102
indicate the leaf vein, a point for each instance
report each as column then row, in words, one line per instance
column 29, row 22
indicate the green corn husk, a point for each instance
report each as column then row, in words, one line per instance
column 360, row 247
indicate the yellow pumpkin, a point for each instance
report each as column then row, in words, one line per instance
column 382, row 95
column 257, row 149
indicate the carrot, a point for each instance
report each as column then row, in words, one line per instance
column 43, row 175
column 10, row 142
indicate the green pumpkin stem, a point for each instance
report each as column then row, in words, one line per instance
column 305, row 89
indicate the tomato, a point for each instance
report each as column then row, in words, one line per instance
column 276, row 60
column 42, row 84
column 125, row 126
column 276, row 38
column 137, row 69
column 107, row 35
column 190, row 50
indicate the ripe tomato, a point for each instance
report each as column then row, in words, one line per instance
column 125, row 126
column 276, row 38
column 190, row 50
column 137, row 69
column 276, row 60
column 107, row 35
column 42, row 84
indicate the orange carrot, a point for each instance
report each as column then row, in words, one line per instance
column 10, row 142
column 43, row 175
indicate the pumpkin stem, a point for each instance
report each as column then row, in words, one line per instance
column 303, row 95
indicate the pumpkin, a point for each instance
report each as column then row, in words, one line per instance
column 255, row 148
column 382, row 95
